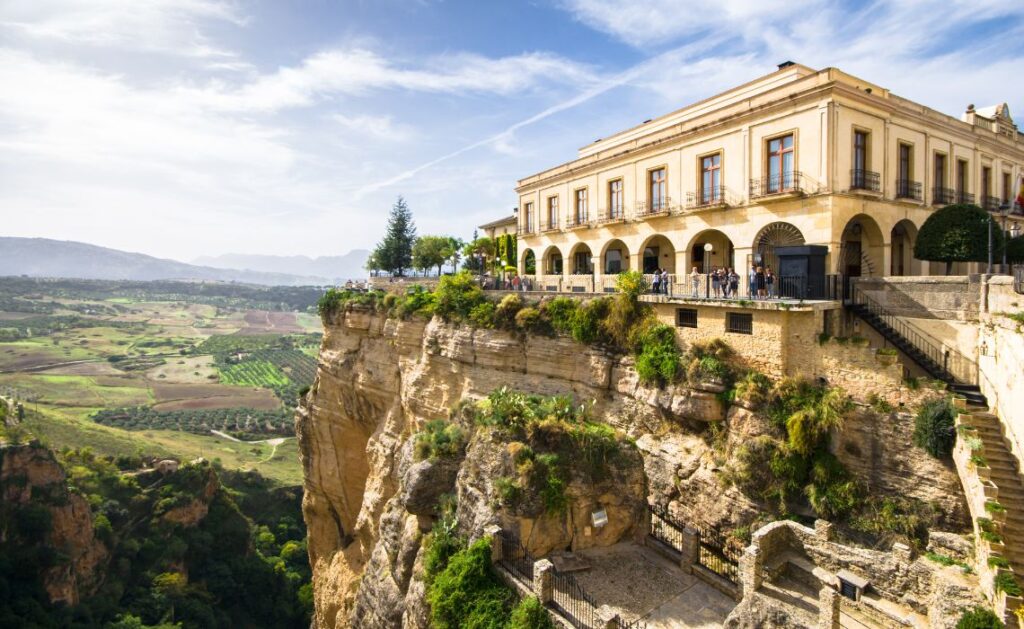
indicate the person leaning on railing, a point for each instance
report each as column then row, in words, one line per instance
column 695, row 283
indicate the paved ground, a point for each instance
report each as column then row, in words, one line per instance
column 638, row 582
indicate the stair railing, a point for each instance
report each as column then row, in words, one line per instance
column 952, row 364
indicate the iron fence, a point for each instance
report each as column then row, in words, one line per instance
column 653, row 208
column 573, row 603
column 639, row 623
column 865, row 180
column 707, row 197
column 906, row 189
column 515, row 559
column 665, row 529
column 717, row 555
column 943, row 196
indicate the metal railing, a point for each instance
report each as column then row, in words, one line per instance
column 1018, row 280
column 665, row 529
column 865, row 180
column 991, row 203
column 964, row 197
column 548, row 228
column 943, row 196
column 527, row 229
column 515, row 559
column 576, row 220
column 708, row 197
column 717, row 555
column 653, row 208
column 907, row 189
column 950, row 363
column 779, row 183
column 612, row 214
column 573, row 603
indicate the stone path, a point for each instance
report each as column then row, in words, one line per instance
column 638, row 582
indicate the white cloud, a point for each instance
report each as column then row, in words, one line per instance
column 165, row 26
column 378, row 127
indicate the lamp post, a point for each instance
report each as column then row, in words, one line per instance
column 708, row 248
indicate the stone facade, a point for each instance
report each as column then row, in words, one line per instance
column 936, row 297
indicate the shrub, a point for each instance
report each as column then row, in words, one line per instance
column 957, row 233
column 561, row 311
column 416, row 301
column 658, row 359
column 441, row 543
column 1005, row 582
column 530, row 614
column 907, row 519
column 934, row 427
column 482, row 315
column 753, row 388
column 587, row 321
column 457, row 295
column 467, row 593
column 438, row 439
column 507, row 310
column 530, row 319
column 995, row 561
column 979, row 618
column 330, row 302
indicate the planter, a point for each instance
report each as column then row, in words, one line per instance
column 960, row 402
column 887, row 359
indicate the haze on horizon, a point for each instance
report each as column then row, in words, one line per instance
column 184, row 128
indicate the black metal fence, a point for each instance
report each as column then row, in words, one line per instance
column 639, row 623
column 573, row 603
column 665, row 530
column 865, row 180
column 779, row 183
column 716, row 555
column 514, row 558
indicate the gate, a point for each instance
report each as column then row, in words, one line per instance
column 514, row 558
column 573, row 602
column 665, row 530
column 716, row 555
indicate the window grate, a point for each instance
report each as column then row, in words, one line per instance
column 686, row 318
column 739, row 323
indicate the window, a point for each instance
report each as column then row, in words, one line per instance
column 657, row 190
column 961, row 180
column 1006, row 187
column 860, row 151
column 528, row 216
column 581, row 206
column 940, row 170
column 780, row 164
column 552, row 212
column 615, row 199
column 904, row 165
column 711, row 179
column 986, row 185
column 686, row 318
column 739, row 323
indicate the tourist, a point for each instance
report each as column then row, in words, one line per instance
column 725, row 282
column 752, row 281
column 695, row 283
column 716, row 284
column 759, row 282
column 515, row 282
column 656, row 281
column 769, row 282
column 664, row 281
column 734, row 283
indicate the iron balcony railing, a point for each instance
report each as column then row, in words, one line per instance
column 943, row 196
column 655, row 207
column 964, row 197
column 548, row 228
column 577, row 220
column 527, row 229
column 612, row 214
column 865, row 180
column 907, row 189
column 708, row 197
column 780, row 183
column 991, row 203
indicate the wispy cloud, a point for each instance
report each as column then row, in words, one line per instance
column 377, row 127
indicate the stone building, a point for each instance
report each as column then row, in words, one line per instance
column 795, row 157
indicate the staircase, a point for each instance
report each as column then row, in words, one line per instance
column 1006, row 477
column 958, row 372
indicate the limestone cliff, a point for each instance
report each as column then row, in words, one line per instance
column 368, row 503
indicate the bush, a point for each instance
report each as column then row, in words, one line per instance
column 482, row 315
column 467, row 593
column 587, row 325
column 530, row 614
column 530, row 319
column 1005, row 582
column 934, row 427
column 507, row 310
column 561, row 311
column 957, row 233
column 416, row 301
column 658, row 359
column 979, row 618
column 457, row 295
column 438, row 439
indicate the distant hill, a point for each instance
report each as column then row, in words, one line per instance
column 42, row 257
column 345, row 267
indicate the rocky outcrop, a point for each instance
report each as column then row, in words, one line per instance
column 368, row 504
column 31, row 478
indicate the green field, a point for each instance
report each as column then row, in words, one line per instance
column 78, row 352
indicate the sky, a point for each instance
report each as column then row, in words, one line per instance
column 182, row 128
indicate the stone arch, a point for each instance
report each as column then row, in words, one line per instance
column 862, row 248
column 770, row 237
column 722, row 253
column 657, row 252
column 902, row 239
column 528, row 262
column 552, row 262
column 614, row 257
column 581, row 259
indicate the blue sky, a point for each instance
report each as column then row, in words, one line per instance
column 182, row 128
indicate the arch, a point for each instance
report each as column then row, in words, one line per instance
column 902, row 239
column 722, row 253
column 771, row 236
column 551, row 263
column 614, row 257
column 581, row 259
column 528, row 263
column 862, row 248
column 658, row 252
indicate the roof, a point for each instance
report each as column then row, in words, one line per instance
column 508, row 220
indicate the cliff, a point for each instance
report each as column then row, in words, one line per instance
column 368, row 502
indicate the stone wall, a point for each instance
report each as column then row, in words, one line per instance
column 1001, row 359
column 930, row 297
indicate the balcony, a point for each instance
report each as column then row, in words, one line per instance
column 612, row 215
column 865, row 181
column 548, row 228
column 782, row 185
column 528, row 229
column 577, row 221
column 706, row 199
column 658, row 207
column 907, row 189
column 964, row 197
column 990, row 203
column 943, row 196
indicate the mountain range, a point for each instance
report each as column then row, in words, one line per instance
column 43, row 257
column 337, row 268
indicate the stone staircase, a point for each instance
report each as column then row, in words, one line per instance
column 1006, row 476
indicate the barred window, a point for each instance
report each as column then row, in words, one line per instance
column 686, row 318
column 739, row 323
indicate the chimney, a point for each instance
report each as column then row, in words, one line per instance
column 786, row 64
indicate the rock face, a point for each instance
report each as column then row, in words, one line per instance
column 29, row 475
column 367, row 503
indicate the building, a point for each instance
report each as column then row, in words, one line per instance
column 797, row 157
column 500, row 227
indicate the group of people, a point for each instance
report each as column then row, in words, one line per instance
column 725, row 283
column 659, row 282
column 516, row 283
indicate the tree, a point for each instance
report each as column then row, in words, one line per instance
column 394, row 253
column 170, row 587
column 1015, row 250
column 430, row 251
column 454, row 252
column 481, row 250
column 958, row 233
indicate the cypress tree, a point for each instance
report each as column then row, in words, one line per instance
column 394, row 253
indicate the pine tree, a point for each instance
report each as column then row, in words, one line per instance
column 394, row 253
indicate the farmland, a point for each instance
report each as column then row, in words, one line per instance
column 129, row 367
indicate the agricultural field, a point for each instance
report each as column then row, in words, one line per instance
column 166, row 368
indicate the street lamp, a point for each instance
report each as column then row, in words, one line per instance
column 708, row 248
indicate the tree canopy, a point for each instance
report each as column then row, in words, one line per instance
column 1015, row 250
column 480, row 250
column 430, row 251
column 958, row 233
column 394, row 253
